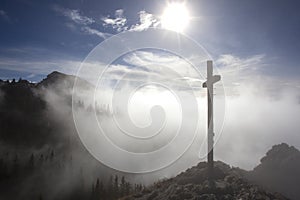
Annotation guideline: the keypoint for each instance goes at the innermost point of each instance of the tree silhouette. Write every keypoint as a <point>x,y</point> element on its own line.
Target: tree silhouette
<point>16,165</point>
<point>31,161</point>
<point>116,186</point>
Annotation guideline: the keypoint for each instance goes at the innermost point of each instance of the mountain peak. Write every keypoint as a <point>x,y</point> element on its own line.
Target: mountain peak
<point>52,78</point>
<point>280,153</point>
<point>56,73</point>
<point>279,170</point>
<point>61,80</point>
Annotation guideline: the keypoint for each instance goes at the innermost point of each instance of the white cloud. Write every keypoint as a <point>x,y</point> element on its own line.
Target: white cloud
<point>118,22</point>
<point>147,20</point>
<point>119,13</point>
<point>255,121</point>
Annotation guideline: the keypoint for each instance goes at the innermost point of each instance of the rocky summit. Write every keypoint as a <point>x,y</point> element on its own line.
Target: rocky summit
<point>193,184</point>
<point>279,171</point>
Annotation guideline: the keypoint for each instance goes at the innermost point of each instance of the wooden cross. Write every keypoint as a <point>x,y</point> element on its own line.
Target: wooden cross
<point>211,79</point>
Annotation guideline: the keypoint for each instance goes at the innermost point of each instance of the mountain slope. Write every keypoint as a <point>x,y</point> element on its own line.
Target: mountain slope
<point>25,120</point>
<point>193,184</point>
<point>41,154</point>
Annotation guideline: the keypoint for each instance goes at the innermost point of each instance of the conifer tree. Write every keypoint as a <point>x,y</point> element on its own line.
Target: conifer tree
<point>116,186</point>
<point>31,161</point>
<point>122,186</point>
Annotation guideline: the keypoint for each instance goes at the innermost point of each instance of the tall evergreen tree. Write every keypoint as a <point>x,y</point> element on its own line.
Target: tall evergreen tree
<point>122,186</point>
<point>31,161</point>
<point>16,165</point>
<point>116,186</point>
<point>127,188</point>
<point>110,188</point>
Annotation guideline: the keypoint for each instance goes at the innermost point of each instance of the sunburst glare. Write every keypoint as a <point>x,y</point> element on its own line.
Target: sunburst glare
<point>175,17</point>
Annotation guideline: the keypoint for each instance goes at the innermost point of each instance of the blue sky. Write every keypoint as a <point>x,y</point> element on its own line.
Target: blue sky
<point>38,37</point>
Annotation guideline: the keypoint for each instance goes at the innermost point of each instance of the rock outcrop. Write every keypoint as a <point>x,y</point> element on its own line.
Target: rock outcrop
<point>193,184</point>
<point>279,171</point>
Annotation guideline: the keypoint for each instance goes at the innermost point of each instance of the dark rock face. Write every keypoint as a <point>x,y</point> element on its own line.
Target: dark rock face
<point>57,79</point>
<point>65,81</point>
<point>20,111</point>
<point>279,171</point>
<point>193,184</point>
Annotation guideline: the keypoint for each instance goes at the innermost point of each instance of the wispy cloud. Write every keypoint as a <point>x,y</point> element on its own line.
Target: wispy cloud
<point>230,62</point>
<point>92,31</point>
<point>159,67</point>
<point>78,19</point>
<point>237,72</point>
<point>40,67</point>
<point>74,15</point>
<point>144,58</point>
<point>4,16</point>
<point>165,60</point>
<point>170,69</point>
<point>88,25</point>
<point>33,60</point>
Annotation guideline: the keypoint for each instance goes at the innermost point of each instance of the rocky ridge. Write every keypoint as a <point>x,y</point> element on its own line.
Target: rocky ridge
<point>192,184</point>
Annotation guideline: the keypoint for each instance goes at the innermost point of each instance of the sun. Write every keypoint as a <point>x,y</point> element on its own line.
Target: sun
<point>175,17</point>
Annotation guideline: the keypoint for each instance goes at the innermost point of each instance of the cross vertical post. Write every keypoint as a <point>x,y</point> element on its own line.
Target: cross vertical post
<point>211,79</point>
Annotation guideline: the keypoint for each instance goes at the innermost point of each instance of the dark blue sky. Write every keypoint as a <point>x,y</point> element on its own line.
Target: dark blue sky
<point>38,37</point>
